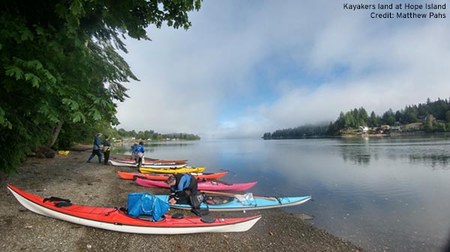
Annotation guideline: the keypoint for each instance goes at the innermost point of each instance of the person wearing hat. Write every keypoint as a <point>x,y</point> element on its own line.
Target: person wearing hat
<point>182,186</point>
<point>96,149</point>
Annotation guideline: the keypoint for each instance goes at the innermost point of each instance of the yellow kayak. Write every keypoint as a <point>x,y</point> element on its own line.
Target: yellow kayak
<point>186,169</point>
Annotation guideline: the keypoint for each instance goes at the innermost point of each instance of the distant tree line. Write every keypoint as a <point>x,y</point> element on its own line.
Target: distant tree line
<point>298,132</point>
<point>434,116</point>
<point>152,135</point>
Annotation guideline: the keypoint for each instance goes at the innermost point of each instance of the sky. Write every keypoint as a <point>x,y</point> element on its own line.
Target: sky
<point>249,67</point>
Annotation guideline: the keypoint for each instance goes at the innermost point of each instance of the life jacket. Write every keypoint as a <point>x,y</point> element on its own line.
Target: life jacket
<point>192,183</point>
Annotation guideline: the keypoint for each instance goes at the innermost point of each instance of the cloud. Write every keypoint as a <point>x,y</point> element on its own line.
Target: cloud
<point>242,70</point>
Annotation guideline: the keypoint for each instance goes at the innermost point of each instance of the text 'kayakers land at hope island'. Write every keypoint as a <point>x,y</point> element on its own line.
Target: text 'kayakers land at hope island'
<point>401,10</point>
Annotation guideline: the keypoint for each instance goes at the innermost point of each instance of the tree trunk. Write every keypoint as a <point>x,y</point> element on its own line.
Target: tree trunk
<point>55,133</point>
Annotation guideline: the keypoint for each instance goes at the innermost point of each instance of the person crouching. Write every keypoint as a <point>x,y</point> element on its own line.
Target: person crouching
<point>182,186</point>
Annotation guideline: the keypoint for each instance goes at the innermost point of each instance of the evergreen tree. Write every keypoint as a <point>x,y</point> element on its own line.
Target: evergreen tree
<point>389,117</point>
<point>373,120</point>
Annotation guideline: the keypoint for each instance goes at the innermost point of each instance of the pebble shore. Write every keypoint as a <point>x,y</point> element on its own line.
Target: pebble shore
<point>97,184</point>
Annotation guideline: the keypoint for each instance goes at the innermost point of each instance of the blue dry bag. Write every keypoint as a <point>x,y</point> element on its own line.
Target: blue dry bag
<point>146,204</point>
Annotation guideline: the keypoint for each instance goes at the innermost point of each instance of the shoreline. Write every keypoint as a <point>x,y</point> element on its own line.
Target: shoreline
<point>97,184</point>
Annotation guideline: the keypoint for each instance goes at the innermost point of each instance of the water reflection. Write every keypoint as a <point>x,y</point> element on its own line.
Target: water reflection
<point>382,194</point>
<point>431,153</point>
<point>435,161</point>
<point>356,155</point>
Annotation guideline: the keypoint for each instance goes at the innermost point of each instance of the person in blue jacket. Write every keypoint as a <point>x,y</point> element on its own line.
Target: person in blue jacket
<point>180,184</point>
<point>96,148</point>
<point>139,151</point>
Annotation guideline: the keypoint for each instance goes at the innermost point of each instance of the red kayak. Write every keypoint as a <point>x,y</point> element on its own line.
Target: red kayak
<point>204,185</point>
<point>112,218</point>
<point>164,177</point>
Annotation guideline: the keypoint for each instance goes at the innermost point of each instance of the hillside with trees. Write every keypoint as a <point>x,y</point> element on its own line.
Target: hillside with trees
<point>425,117</point>
<point>61,72</point>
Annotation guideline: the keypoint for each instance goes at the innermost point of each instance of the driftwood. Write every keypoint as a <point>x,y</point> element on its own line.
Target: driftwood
<point>43,152</point>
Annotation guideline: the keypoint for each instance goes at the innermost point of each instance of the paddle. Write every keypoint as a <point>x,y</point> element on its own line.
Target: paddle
<point>233,195</point>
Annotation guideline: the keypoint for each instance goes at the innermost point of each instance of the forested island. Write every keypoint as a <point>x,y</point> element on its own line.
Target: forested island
<point>151,135</point>
<point>426,117</point>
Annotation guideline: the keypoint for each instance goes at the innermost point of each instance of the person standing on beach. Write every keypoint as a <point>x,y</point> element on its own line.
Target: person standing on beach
<point>96,149</point>
<point>139,150</point>
<point>133,152</point>
<point>106,150</point>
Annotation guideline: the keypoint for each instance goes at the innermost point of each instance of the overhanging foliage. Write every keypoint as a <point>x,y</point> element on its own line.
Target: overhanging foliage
<point>60,66</point>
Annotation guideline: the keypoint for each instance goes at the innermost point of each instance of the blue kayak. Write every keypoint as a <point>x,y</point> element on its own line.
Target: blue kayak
<point>241,202</point>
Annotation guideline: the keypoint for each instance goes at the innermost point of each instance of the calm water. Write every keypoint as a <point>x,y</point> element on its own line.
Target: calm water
<point>382,194</point>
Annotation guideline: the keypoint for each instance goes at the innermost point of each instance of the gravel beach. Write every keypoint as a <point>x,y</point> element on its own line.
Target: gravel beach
<point>72,178</point>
